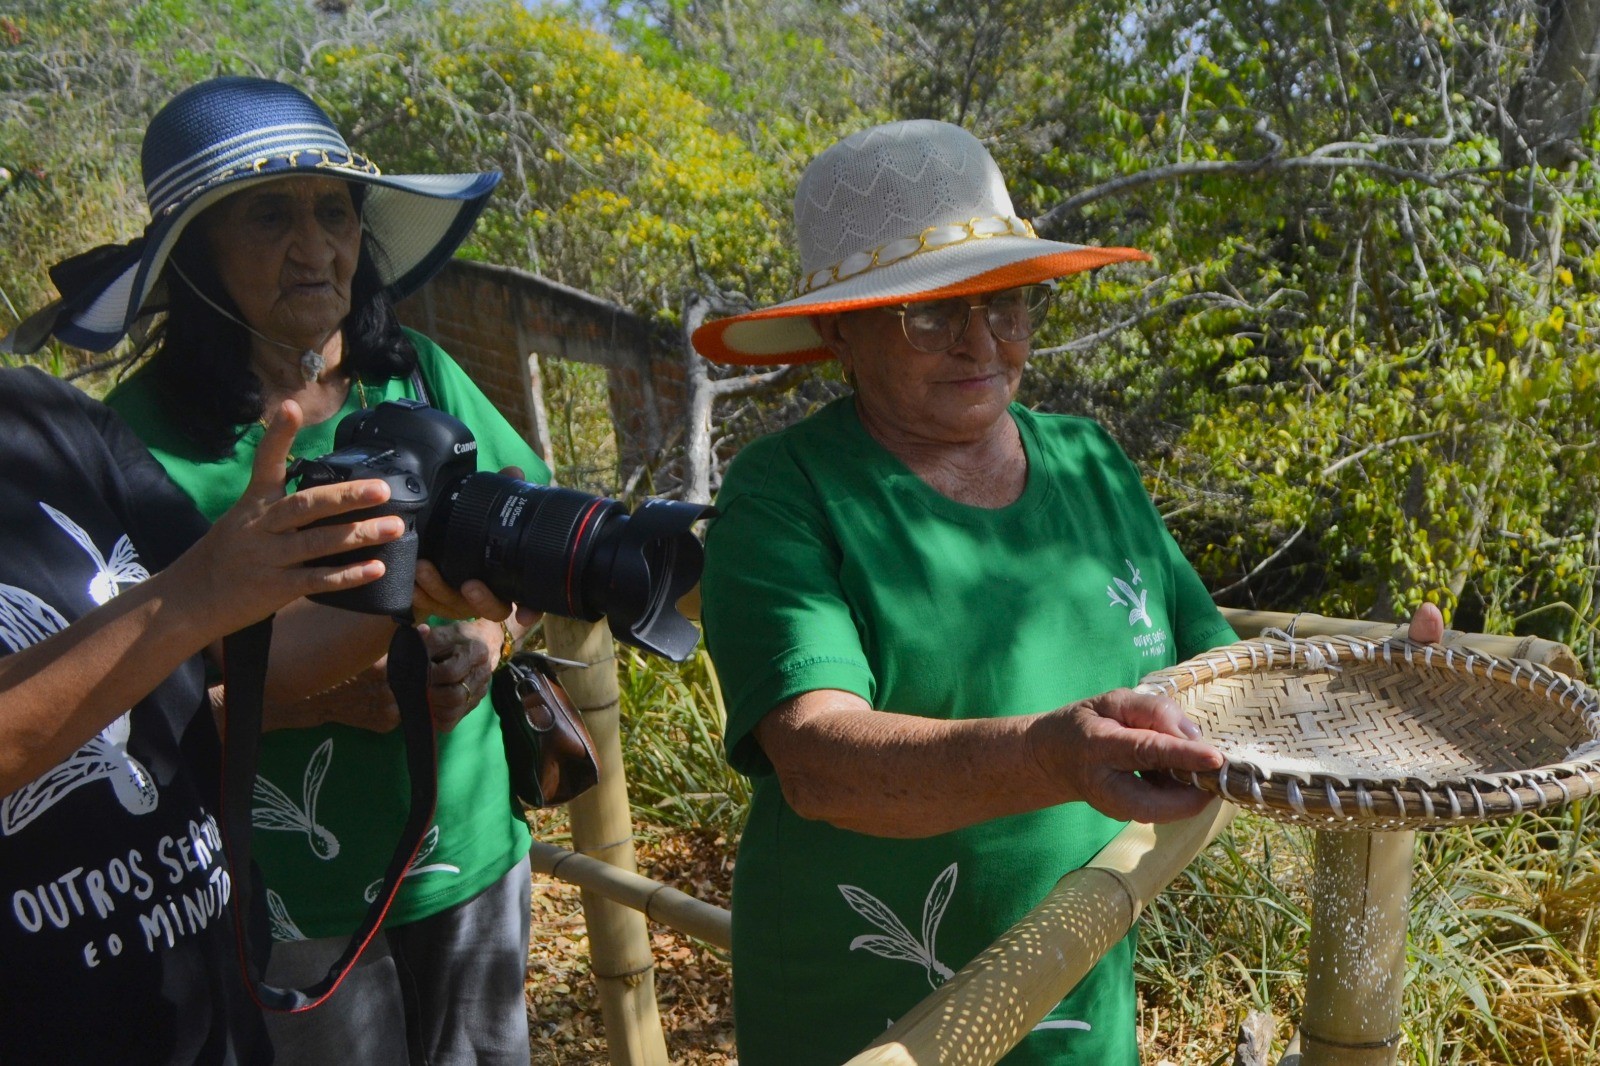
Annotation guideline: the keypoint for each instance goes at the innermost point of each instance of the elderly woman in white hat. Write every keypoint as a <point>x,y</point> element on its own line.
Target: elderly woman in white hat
<point>276,252</point>
<point>925,604</point>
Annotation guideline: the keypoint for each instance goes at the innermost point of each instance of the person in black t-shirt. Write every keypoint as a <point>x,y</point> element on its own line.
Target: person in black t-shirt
<point>116,940</point>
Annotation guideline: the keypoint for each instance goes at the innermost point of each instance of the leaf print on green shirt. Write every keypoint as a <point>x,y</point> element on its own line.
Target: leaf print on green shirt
<point>898,943</point>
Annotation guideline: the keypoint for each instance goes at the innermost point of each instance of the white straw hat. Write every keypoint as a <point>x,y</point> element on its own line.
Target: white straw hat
<point>905,211</point>
<point>214,139</point>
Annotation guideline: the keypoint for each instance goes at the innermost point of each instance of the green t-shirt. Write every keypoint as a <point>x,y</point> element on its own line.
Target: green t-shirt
<point>330,801</point>
<point>832,565</point>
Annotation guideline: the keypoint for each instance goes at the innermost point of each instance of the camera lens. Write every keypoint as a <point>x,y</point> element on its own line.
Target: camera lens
<point>569,553</point>
<point>527,542</point>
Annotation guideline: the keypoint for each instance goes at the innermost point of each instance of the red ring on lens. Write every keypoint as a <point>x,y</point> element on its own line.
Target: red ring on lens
<point>574,553</point>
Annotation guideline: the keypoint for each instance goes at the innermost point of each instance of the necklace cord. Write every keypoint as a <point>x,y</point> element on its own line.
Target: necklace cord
<point>311,360</point>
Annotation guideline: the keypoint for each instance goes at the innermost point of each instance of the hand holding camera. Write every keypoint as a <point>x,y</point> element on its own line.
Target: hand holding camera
<point>546,549</point>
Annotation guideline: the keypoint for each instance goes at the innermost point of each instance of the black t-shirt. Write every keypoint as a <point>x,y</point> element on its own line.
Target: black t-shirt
<point>116,940</point>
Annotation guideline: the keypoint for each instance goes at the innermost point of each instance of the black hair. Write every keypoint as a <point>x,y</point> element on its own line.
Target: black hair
<point>201,365</point>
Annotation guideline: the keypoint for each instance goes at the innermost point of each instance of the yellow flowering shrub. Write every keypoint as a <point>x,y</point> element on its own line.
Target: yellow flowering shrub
<point>616,180</point>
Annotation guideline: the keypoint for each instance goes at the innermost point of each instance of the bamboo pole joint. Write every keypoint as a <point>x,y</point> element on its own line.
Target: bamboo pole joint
<point>1135,903</point>
<point>1349,1045</point>
<point>631,978</point>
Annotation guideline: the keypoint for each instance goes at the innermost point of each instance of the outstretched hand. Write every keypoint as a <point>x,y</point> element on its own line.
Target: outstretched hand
<point>253,560</point>
<point>1112,749</point>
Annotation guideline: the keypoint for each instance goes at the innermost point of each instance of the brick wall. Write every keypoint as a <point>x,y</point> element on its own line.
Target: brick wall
<point>493,320</point>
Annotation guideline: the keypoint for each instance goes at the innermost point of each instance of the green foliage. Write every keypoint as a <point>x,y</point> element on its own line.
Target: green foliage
<point>617,181</point>
<point>672,743</point>
<point>581,435</point>
<point>1357,351</point>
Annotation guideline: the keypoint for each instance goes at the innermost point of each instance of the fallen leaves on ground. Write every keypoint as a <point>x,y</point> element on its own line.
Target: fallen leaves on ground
<point>692,983</point>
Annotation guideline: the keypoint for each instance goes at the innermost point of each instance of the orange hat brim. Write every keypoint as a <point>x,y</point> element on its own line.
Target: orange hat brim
<point>798,342</point>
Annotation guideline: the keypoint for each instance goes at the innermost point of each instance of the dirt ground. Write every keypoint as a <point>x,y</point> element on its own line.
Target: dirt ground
<point>693,987</point>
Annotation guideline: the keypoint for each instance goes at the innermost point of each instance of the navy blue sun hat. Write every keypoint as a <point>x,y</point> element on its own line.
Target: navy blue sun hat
<point>221,136</point>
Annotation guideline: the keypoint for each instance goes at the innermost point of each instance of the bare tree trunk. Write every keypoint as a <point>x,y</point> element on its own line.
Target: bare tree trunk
<point>697,382</point>
<point>704,391</point>
<point>1551,104</point>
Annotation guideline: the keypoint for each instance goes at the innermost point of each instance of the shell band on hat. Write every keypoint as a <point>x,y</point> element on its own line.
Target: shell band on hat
<point>901,212</point>
<point>929,240</point>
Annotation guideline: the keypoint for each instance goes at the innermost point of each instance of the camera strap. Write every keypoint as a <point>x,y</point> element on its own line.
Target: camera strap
<point>245,672</point>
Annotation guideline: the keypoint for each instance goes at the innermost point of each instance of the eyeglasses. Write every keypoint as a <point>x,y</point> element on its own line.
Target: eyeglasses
<point>937,325</point>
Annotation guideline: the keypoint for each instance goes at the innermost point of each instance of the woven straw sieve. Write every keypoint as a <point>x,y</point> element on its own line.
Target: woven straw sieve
<point>1347,733</point>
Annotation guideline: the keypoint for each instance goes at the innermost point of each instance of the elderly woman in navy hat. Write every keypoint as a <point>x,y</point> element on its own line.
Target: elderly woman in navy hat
<point>926,605</point>
<point>276,253</point>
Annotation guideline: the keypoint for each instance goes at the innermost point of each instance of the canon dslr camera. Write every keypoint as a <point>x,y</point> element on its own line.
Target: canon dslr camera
<point>549,549</point>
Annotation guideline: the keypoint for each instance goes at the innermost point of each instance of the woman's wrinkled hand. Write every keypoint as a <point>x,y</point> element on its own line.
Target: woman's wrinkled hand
<point>1114,750</point>
<point>462,658</point>
<point>254,559</point>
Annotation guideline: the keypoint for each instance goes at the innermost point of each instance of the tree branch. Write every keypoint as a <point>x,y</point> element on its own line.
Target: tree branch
<point>1084,343</point>
<point>1331,156</point>
<point>756,384</point>
<point>1262,565</point>
<point>1381,446</point>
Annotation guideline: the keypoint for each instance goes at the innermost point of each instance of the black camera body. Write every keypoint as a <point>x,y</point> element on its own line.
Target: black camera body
<point>550,549</point>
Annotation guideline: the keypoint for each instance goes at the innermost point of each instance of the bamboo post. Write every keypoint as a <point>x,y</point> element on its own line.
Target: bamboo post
<point>656,901</point>
<point>981,1013</point>
<point>1356,965</point>
<point>1361,884</point>
<point>602,827</point>
<point>1555,655</point>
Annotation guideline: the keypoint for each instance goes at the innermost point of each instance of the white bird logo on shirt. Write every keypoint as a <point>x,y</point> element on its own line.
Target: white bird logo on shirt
<point>283,927</point>
<point>896,941</point>
<point>1123,595</point>
<point>25,620</point>
<point>430,840</point>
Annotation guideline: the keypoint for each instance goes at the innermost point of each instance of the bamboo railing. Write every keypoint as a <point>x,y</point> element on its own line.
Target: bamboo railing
<point>1356,959</point>
<point>980,1014</point>
<point>1555,655</point>
<point>656,901</point>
